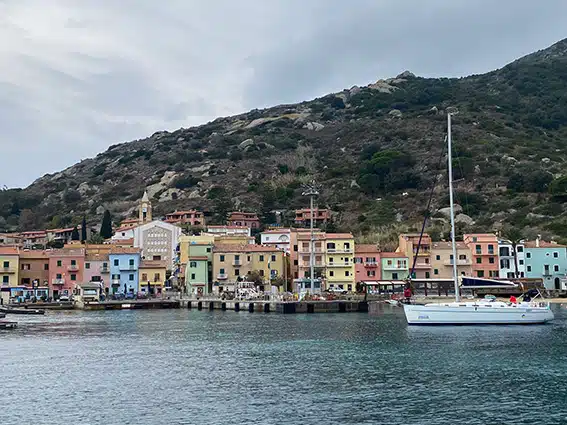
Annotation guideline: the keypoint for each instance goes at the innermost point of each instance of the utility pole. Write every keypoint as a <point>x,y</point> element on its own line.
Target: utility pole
<point>311,190</point>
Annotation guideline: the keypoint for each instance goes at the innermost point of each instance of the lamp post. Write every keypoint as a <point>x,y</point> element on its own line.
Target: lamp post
<point>311,189</point>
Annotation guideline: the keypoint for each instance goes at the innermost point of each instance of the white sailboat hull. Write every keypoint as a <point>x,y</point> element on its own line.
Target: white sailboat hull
<point>478,314</point>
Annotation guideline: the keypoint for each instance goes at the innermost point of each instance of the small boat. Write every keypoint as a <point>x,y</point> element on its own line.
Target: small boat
<point>13,310</point>
<point>393,302</point>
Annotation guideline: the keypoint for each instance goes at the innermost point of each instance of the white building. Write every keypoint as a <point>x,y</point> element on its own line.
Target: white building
<point>507,268</point>
<point>280,238</point>
<point>229,230</point>
<point>158,241</point>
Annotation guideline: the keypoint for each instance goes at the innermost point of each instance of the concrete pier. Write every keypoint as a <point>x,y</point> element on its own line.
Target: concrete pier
<point>282,307</point>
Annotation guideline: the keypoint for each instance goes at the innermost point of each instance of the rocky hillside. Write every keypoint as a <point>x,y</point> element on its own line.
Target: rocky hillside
<point>374,150</point>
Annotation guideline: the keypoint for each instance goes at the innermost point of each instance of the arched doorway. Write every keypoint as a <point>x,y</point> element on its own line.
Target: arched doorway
<point>557,283</point>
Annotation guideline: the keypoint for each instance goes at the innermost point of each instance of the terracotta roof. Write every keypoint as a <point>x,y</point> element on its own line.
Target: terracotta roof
<point>425,235</point>
<point>198,257</point>
<point>153,264</point>
<point>184,212</point>
<point>4,250</point>
<point>67,252</point>
<point>124,250</point>
<point>448,245</point>
<point>96,257</point>
<point>284,230</point>
<point>130,220</point>
<point>31,254</point>
<point>245,248</point>
<point>542,244</point>
<point>339,236</point>
<point>393,255</point>
<point>366,248</point>
<point>122,242</point>
<point>227,227</point>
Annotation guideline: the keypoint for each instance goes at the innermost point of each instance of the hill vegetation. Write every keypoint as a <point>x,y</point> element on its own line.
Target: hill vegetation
<point>374,150</point>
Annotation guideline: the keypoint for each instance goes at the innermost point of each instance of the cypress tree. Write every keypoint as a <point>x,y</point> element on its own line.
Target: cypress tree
<point>84,230</point>
<point>75,234</point>
<point>106,225</point>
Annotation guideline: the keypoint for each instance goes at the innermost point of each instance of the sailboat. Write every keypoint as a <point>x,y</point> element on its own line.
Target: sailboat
<point>476,312</point>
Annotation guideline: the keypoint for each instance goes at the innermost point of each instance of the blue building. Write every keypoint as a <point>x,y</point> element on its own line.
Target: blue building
<point>547,261</point>
<point>124,265</point>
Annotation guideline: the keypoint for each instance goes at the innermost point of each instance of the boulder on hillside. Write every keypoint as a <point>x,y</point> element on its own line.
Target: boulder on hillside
<point>406,74</point>
<point>396,113</point>
<point>446,212</point>
<point>464,219</point>
<point>246,143</point>
<point>314,126</point>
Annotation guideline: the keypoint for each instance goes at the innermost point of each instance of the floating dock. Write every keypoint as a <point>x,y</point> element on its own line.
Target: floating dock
<point>129,304</point>
<point>283,307</point>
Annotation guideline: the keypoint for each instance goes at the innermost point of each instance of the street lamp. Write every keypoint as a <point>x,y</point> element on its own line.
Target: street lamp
<point>311,189</point>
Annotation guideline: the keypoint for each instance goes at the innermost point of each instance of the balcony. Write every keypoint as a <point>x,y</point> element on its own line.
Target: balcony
<point>339,251</point>
<point>7,270</point>
<point>73,268</point>
<point>236,262</point>
<point>396,267</point>
<point>58,281</point>
<point>115,282</point>
<point>316,250</point>
<point>422,266</point>
<point>370,264</point>
<point>128,267</point>
<point>222,276</point>
<point>305,264</point>
<point>339,264</point>
<point>459,262</point>
<point>104,269</point>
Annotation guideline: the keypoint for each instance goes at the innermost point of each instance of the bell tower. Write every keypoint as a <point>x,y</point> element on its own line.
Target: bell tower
<point>145,209</point>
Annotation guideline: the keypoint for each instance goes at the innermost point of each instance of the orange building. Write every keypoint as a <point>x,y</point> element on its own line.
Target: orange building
<point>34,268</point>
<point>237,218</point>
<point>191,217</point>
<point>407,244</point>
<point>484,253</point>
<point>320,216</point>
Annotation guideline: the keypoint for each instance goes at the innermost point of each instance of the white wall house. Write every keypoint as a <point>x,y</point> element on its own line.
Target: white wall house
<point>279,238</point>
<point>507,269</point>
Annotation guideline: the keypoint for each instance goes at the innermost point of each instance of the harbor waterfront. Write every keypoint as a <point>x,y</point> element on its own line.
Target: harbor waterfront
<point>180,366</point>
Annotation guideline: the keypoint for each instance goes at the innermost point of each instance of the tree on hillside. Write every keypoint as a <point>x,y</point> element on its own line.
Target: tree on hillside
<point>514,236</point>
<point>75,234</point>
<point>84,230</point>
<point>27,220</point>
<point>106,225</point>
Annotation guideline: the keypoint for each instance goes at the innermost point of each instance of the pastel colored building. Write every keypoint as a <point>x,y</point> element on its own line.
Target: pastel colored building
<point>152,276</point>
<point>339,261</point>
<point>246,219</point>
<point>229,230</point>
<point>320,216</point>
<point>484,253</point>
<point>280,238</point>
<point>66,271</point>
<point>34,269</point>
<point>300,255</point>
<point>507,269</point>
<point>190,217</point>
<point>367,263</point>
<point>97,269</point>
<point>234,262</point>
<point>442,260</point>
<point>158,241</point>
<point>10,239</point>
<point>124,269</point>
<point>547,260</point>
<point>394,266</point>
<point>419,259</point>
<point>36,238</point>
<point>198,266</point>
<point>9,266</point>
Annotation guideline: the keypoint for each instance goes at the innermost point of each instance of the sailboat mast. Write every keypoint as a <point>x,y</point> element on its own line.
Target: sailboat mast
<point>453,243</point>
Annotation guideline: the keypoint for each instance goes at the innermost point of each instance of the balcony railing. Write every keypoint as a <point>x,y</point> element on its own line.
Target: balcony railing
<point>58,281</point>
<point>237,262</point>
<point>73,268</point>
<point>128,267</point>
<point>339,251</point>
<point>315,264</point>
<point>396,267</point>
<point>339,264</point>
<point>7,270</point>
<point>316,250</point>
<point>459,262</point>
<point>422,265</point>
<point>104,269</point>
<point>370,264</point>
<point>222,276</point>
<point>115,281</point>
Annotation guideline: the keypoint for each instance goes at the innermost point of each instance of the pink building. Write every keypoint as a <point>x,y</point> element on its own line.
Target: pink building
<point>66,270</point>
<point>97,269</point>
<point>245,219</point>
<point>367,263</point>
<point>320,216</point>
<point>484,252</point>
<point>191,217</point>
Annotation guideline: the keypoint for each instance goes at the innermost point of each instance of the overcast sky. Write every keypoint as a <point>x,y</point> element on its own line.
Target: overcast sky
<point>78,76</point>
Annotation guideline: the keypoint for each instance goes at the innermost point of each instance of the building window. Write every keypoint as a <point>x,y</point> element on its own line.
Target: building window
<point>295,262</point>
<point>261,258</point>
<point>87,266</point>
<point>437,257</point>
<point>347,273</point>
<point>59,263</point>
<point>480,273</point>
<point>261,272</point>
<point>331,273</point>
<point>157,277</point>
<point>556,268</point>
<point>5,279</point>
<point>462,256</point>
<point>130,277</point>
<point>479,260</point>
<point>73,277</point>
<point>273,258</point>
<point>58,276</point>
<point>192,264</point>
<point>528,255</point>
<point>131,262</point>
<point>521,262</point>
<point>519,249</point>
<point>555,255</point>
<point>192,276</point>
<point>427,275</point>
<point>491,260</point>
<point>221,258</point>
<point>237,272</point>
<point>221,271</point>
<point>394,276</point>
<point>73,262</point>
<point>144,277</point>
<point>529,268</point>
<point>46,266</point>
<point>116,262</point>
<point>435,271</point>
<point>208,249</point>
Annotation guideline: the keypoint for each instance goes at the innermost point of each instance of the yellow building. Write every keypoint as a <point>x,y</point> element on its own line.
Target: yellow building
<point>234,262</point>
<point>186,241</point>
<point>442,260</point>
<point>9,270</point>
<point>234,240</point>
<point>152,276</point>
<point>339,261</point>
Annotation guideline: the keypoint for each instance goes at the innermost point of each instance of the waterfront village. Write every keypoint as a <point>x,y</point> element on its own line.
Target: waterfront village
<point>148,258</point>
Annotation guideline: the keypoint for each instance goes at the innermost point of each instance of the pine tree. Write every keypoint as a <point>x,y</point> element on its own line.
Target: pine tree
<point>106,225</point>
<point>75,234</point>
<point>84,230</point>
